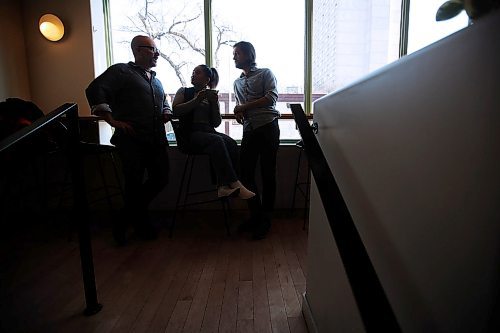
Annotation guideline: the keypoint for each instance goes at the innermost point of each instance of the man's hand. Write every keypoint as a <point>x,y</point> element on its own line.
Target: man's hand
<point>167,117</point>
<point>125,127</point>
<point>238,112</point>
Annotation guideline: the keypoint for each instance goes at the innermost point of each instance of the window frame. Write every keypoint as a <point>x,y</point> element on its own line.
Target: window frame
<point>207,14</point>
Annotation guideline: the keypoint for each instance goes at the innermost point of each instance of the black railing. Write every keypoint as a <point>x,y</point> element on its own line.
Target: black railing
<point>80,209</point>
<point>373,305</point>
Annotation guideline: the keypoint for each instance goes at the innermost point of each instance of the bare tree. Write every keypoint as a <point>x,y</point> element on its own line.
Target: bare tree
<point>175,31</point>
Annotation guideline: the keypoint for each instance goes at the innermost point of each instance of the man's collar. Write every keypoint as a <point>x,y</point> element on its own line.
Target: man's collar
<point>133,64</point>
<point>252,69</point>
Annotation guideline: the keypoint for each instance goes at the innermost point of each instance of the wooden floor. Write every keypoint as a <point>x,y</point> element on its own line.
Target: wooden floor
<point>199,281</point>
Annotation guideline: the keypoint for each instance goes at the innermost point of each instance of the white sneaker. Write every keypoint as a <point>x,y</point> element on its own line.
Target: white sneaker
<point>226,191</point>
<point>245,193</point>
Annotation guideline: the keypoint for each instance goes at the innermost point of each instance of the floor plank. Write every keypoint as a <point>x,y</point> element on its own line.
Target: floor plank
<point>262,318</point>
<point>276,303</point>
<point>200,280</point>
<point>144,320</point>
<point>245,300</point>
<point>176,322</point>
<point>197,311</point>
<point>173,292</point>
<point>292,306</point>
<point>229,312</point>
<point>245,326</point>
<point>213,310</point>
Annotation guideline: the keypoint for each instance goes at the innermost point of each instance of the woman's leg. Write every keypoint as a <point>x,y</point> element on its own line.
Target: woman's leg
<point>214,146</point>
<point>233,150</point>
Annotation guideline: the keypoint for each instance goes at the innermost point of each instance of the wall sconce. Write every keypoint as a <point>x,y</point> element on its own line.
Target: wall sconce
<point>51,27</point>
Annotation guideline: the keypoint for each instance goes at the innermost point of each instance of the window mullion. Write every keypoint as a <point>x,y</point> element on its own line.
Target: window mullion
<point>403,30</point>
<point>208,32</point>
<point>308,57</point>
<point>107,32</point>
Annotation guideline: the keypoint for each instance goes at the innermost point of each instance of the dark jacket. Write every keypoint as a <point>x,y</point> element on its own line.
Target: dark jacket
<point>132,98</point>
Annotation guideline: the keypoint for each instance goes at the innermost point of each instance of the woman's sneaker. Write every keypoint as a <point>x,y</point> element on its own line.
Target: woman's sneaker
<point>245,193</point>
<point>226,191</point>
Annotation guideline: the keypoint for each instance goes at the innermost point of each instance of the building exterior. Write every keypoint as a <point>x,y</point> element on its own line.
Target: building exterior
<point>351,39</point>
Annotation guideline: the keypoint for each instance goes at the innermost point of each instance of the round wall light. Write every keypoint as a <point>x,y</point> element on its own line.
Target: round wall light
<point>51,27</point>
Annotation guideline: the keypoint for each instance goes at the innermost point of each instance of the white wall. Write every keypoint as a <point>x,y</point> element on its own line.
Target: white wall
<point>14,80</point>
<point>33,68</point>
<point>415,148</point>
<point>60,71</point>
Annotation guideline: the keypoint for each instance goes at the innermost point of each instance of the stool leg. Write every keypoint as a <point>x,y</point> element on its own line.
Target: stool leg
<point>181,185</point>
<point>307,197</point>
<point>296,182</point>
<point>104,183</point>
<point>185,185</point>
<point>188,185</point>
<point>225,209</point>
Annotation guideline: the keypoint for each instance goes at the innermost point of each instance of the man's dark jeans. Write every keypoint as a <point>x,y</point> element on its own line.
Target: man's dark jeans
<point>263,143</point>
<point>138,158</point>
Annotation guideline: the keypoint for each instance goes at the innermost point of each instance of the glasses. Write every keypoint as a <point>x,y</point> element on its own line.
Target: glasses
<point>152,48</point>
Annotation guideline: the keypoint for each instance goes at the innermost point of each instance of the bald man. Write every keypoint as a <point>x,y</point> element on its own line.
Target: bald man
<point>131,99</point>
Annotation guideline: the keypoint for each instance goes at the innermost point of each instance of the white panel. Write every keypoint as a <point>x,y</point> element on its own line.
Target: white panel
<point>415,148</point>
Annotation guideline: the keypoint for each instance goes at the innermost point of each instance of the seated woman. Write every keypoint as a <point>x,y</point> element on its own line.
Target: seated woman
<point>197,109</point>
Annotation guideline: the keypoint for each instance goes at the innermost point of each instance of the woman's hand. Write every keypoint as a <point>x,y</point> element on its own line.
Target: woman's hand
<point>200,95</point>
<point>212,95</point>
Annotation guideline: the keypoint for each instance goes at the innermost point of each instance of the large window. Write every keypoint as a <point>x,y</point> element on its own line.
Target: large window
<point>423,27</point>
<point>352,39</point>
<point>277,33</point>
<point>348,39</point>
<point>178,30</point>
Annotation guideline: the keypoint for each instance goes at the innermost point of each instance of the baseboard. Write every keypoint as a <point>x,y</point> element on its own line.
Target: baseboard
<point>308,316</point>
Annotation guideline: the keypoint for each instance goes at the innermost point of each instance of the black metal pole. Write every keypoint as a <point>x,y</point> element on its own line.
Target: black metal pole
<point>81,213</point>
<point>374,307</point>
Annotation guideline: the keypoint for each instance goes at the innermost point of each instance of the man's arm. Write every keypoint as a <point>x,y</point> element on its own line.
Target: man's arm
<point>259,103</point>
<point>104,111</point>
<point>269,99</point>
<point>100,92</point>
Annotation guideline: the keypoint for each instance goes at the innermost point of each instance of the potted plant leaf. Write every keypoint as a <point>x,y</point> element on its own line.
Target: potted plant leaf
<point>475,9</point>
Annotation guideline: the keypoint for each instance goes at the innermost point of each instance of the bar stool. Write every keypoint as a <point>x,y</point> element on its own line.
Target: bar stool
<point>185,191</point>
<point>99,151</point>
<point>302,186</point>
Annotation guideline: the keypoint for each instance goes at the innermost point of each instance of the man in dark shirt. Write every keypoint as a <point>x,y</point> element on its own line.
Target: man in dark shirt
<point>131,99</point>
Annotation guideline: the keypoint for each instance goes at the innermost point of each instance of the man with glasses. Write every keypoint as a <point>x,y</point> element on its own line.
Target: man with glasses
<point>256,96</point>
<point>131,99</point>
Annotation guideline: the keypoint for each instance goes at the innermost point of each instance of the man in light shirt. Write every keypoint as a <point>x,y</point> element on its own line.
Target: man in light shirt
<point>256,96</point>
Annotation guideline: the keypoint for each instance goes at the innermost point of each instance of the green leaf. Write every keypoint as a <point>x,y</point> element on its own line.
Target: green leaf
<point>449,9</point>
